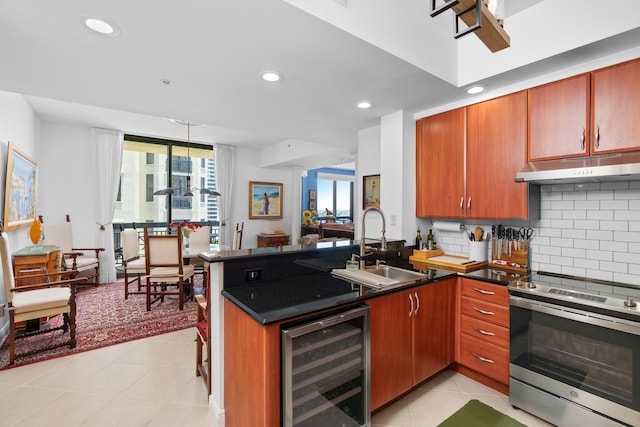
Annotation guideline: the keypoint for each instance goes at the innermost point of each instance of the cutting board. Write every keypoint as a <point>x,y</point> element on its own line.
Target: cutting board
<point>454,263</point>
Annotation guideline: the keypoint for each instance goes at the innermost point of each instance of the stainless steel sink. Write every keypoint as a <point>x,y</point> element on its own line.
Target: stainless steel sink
<point>381,277</point>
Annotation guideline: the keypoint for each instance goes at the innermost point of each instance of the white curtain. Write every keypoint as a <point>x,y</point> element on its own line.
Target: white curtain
<point>106,159</point>
<point>224,169</point>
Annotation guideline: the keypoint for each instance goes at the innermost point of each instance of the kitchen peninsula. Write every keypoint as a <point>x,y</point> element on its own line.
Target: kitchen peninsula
<point>263,289</point>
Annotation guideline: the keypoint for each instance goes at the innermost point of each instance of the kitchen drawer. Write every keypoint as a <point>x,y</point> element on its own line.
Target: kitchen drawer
<point>485,331</point>
<point>486,311</point>
<point>495,294</point>
<point>487,359</point>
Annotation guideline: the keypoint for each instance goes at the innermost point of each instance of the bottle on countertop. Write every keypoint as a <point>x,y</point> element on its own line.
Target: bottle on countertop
<point>431,242</point>
<point>418,239</point>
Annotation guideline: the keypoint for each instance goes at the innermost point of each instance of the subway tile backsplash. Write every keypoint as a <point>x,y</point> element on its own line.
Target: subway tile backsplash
<point>586,230</point>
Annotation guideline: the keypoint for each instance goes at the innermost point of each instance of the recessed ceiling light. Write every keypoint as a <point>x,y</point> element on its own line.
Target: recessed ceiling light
<point>270,76</point>
<point>101,26</point>
<point>364,105</point>
<point>472,90</point>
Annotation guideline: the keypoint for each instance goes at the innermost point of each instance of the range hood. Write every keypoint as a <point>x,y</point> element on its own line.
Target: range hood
<point>598,168</point>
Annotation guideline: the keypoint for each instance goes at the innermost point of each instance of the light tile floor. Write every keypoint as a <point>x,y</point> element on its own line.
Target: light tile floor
<point>148,382</point>
<point>152,382</point>
<point>437,399</point>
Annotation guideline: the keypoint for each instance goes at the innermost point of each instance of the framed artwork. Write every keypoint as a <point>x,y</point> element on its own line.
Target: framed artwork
<point>265,200</point>
<point>312,205</point>
<point>370,191</point>
<point>20,190</point>
<point>312,194</point>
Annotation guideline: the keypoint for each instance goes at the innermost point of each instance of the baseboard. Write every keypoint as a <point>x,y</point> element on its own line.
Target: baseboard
<point>217,411</point>
<point>476,376</point>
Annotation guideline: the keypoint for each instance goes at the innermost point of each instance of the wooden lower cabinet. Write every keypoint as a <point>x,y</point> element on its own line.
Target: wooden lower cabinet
<point>412,338</point>
<point>251,370</point>
<point>482,351</point>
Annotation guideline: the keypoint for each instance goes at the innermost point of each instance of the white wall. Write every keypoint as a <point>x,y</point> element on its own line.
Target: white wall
<point>247,168</point>
<point>18,126</point>
<point>68,182</point>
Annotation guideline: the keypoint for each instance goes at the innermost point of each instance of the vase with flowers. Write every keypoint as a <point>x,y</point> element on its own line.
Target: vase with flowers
<point>186,227</point>
<point>309,217</point>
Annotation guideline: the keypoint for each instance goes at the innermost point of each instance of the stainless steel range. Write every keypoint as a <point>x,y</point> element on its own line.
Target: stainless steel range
<point>574,354</point>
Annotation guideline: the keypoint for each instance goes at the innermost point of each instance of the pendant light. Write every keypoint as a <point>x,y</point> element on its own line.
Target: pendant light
<point>189,191</point>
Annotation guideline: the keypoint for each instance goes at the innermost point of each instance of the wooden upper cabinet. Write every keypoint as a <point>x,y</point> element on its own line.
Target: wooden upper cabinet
<point>559,119</point>
<point>615,108</point>
<point>440,169</point>
<point>496,151</point>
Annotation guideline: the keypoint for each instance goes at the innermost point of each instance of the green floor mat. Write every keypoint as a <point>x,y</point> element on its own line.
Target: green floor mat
<point>477,414</point>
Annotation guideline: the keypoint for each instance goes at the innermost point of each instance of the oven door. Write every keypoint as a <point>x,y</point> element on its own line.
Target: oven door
<point>591,359</point>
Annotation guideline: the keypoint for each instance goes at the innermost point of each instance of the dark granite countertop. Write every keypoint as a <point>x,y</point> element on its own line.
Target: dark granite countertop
<point>296,280</point>
<point>286,299</point>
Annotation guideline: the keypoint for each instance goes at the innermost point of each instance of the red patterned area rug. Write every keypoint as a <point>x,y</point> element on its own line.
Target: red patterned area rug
<point>105,318</point>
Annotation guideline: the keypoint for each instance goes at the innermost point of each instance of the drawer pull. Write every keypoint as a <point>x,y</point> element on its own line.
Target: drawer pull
<point>483,359</point>
<point>488,313</point>
<point>482,291</point>
<point>483,332</point>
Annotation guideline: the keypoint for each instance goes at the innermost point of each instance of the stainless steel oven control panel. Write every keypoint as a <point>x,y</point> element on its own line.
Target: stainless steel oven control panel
<point>529,289</point>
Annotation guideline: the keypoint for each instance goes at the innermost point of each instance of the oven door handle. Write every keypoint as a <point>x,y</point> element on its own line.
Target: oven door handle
<point>582,316</point>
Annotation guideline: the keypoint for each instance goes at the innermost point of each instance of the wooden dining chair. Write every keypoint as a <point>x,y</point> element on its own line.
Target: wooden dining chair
<point>135,266</point>
<point>50,297</point>
<point>203,342</point>
<point>200,241</point>
<point>237,236</point>
<point>164,262</point>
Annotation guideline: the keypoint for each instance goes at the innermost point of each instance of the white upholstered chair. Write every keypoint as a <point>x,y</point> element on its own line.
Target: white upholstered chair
<point>164,262</point>
<point>85,260</point>
<point>200,241</point>
<point>35,301</point>
<point>135,266</point>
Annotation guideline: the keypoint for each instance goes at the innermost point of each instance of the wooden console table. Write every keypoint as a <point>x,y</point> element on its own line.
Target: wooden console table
<point>267,240</point>
<point>29,258</point>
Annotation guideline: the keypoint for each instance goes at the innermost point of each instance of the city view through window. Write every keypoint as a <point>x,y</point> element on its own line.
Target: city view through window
<point>145,168</point>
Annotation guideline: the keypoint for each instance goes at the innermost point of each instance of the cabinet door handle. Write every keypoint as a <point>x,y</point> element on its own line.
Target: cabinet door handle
<point>411,300</point>
<point>482,291</point>
<point>482,359</point>
<point>596,136</point>
<point>469,205</point>
<point>461,203</point>
<point>417,303</point>
<point>583,137</point>
<point>483,332</point>
<point>488,313</point>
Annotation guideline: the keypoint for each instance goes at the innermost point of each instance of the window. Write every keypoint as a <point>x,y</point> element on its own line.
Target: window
<point>149,164</point>
<point>336,194</point>
<point>150,189</point>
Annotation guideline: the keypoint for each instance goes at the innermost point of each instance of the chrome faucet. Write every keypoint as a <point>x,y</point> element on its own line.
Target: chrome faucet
<point>384,230</point>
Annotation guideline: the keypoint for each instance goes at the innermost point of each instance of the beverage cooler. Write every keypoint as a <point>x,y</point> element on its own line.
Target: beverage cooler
<point>325,371</point>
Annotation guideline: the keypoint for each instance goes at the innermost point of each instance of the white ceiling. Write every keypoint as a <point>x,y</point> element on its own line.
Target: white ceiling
<point>212,52</point>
